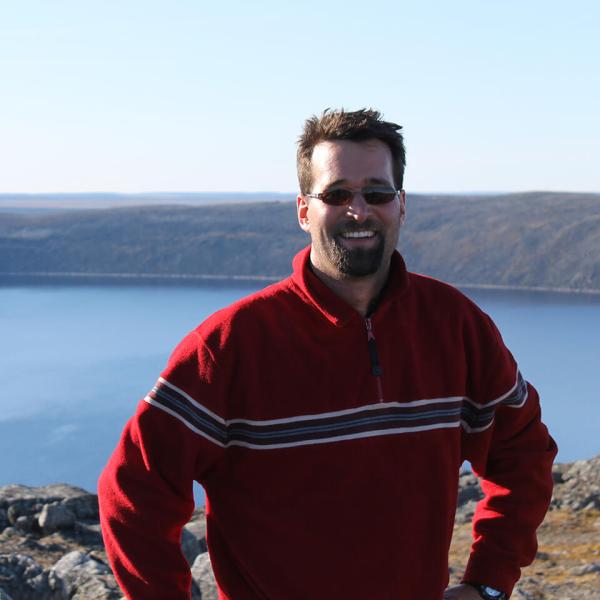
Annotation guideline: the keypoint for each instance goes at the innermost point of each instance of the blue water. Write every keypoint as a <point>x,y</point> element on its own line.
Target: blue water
<point>76,360</point>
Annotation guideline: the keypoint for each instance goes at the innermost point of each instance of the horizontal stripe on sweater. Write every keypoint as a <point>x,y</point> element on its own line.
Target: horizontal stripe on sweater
<point>384,418</point>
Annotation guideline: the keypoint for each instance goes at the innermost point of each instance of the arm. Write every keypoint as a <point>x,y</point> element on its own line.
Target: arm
<point>145,491</point>
<point>513,457</point>
<point>516,480</point>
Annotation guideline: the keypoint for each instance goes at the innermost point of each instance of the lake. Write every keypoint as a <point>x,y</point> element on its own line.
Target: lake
<point>76,360</point>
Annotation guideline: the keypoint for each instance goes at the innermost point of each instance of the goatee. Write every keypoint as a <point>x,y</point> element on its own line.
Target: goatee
<point>356,262</point>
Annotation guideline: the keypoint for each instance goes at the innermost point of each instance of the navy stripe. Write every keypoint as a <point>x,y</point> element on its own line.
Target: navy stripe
<point>318,435</point>
<point>384,411</point>
<point>393,420</point>
<point>450,412</point>
<point>192,414</point>
<point>478,417</point>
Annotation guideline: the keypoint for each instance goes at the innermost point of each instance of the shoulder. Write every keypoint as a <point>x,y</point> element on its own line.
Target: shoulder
<point>451,309</point>
<point>459,321</point>
<point>212,342</point>
<point>432,291</point>
<point>249,313</point>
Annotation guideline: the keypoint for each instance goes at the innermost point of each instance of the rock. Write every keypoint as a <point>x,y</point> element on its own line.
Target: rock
<point>579,485</point>
<point>79,576</point>
<point>585,569</point>
<point>193,537</point>
<point>25,523</point>
<point>21,500</point>
<point>197,526</point>
<point>9,494</point>
<point>9,531</point>
<point>465,513</point>
<point>55,516</point>
<point>203,576</point>
<point>521,594</point>
<point>469,493</point>
<point>4,523</point>
<point>468,489</point>
<point>190,546</point>
<point>558,471</point>
<point>13,513</point>
<point>70,563</point>
<point>84,507</point>
<point>88,534</point>
<point>22,578</point>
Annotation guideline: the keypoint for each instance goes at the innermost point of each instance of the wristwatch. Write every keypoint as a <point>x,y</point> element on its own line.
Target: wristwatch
<point>487,592</point>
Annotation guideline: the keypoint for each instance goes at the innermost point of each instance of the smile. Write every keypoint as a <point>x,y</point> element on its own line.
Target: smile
<point>358,234</point>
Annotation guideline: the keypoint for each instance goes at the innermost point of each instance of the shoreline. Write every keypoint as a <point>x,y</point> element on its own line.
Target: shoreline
<point>75,277</point>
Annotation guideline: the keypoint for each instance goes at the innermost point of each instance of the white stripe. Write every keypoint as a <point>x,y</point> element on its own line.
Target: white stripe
<point>310,417</point>
<point>190,399</point>
<point>470,429</point>
<point>349,411</point>
<point>317,441</point>
<point>525,396</point>
<point>353,436</point>
<point>503,397</point>
<point>182,419</point>
<point>346,411</point>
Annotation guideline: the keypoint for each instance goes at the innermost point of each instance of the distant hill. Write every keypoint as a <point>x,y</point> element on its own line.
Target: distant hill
<point>96,200</point>
<point>546,240</point>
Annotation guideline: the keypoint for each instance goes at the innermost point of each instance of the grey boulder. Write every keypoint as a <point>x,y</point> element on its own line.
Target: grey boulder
<point>79,576</point>
<point>55,516</point>
<point>22,578</point>
<point>204,579</point>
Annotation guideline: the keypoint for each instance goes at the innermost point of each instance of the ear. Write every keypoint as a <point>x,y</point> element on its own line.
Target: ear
<point>302,209</point>
<point>402,207</point>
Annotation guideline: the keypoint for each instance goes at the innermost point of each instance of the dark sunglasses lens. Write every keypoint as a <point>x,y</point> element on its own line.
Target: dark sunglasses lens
<point>379,197</point>
<point>337,197</point>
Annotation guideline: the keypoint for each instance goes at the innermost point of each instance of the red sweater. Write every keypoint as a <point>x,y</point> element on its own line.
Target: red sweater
<point>330,453</point>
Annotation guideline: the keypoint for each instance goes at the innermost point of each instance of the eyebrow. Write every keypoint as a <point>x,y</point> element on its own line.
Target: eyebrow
<point>372,180</point>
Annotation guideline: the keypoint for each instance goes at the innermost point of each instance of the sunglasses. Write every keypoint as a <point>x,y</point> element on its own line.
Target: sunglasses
<point>343,197</point>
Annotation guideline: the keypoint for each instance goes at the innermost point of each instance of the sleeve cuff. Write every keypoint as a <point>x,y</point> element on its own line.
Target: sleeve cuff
<point>490,571</point>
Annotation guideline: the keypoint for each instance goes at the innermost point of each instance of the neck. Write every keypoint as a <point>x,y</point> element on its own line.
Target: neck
<point>358,292</point>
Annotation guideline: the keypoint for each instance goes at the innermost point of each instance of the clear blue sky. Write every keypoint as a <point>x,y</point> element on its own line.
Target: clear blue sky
<point>143,95</point>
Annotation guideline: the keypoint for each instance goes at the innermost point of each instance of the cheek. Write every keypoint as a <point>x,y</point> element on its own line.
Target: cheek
<point>391,216</point>
<point>323,218</point>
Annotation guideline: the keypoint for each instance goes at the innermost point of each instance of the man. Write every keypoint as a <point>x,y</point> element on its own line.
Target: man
<point>328,415</point>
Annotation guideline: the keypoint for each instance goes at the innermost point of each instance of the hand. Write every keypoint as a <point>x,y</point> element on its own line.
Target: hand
<point>461,592</point>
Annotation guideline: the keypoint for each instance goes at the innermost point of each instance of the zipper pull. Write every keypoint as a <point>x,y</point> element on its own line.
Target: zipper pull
<point>375,366</point>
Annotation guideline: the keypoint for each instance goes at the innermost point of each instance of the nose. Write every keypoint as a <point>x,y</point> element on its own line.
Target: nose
<point>358,209</point>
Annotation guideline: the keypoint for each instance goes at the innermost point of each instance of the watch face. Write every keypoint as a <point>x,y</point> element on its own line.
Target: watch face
<point>491,592</point>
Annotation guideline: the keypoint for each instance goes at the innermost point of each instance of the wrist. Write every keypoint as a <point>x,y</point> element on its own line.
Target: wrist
<point>487,592</point>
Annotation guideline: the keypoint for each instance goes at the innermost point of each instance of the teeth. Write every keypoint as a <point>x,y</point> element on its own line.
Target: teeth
<point>358,234</point>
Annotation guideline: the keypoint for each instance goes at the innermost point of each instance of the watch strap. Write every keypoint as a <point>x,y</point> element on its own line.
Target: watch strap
<point>487,592</point>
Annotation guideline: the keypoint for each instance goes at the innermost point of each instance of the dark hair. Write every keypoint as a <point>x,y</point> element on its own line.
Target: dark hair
<point>357,126</point>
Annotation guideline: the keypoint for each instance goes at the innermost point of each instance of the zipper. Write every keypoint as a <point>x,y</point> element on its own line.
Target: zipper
<point>376,369</point>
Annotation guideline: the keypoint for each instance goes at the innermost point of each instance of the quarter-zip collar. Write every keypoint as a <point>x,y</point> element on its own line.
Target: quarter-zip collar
<point>331,306</point>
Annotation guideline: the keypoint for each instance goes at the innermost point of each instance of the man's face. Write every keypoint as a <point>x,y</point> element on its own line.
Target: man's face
<point>356,240</point>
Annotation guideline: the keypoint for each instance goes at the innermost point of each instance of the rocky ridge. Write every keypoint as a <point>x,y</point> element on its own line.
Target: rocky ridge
<point>525,240</point>
<point>51,546</point>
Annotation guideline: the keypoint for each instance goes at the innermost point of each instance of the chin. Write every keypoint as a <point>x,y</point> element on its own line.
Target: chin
<point>359,262</point>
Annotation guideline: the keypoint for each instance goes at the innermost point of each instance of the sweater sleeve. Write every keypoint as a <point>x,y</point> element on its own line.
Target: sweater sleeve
<point>510,449</point>
<point>145,491</point>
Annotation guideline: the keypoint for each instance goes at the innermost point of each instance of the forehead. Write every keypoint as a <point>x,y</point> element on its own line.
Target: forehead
<point>352,163</point>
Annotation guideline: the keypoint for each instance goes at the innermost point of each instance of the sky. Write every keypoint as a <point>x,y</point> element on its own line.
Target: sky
<point>187,95</point>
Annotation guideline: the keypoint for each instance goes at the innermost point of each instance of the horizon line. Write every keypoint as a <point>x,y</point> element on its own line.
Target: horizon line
<point>278,193</point>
